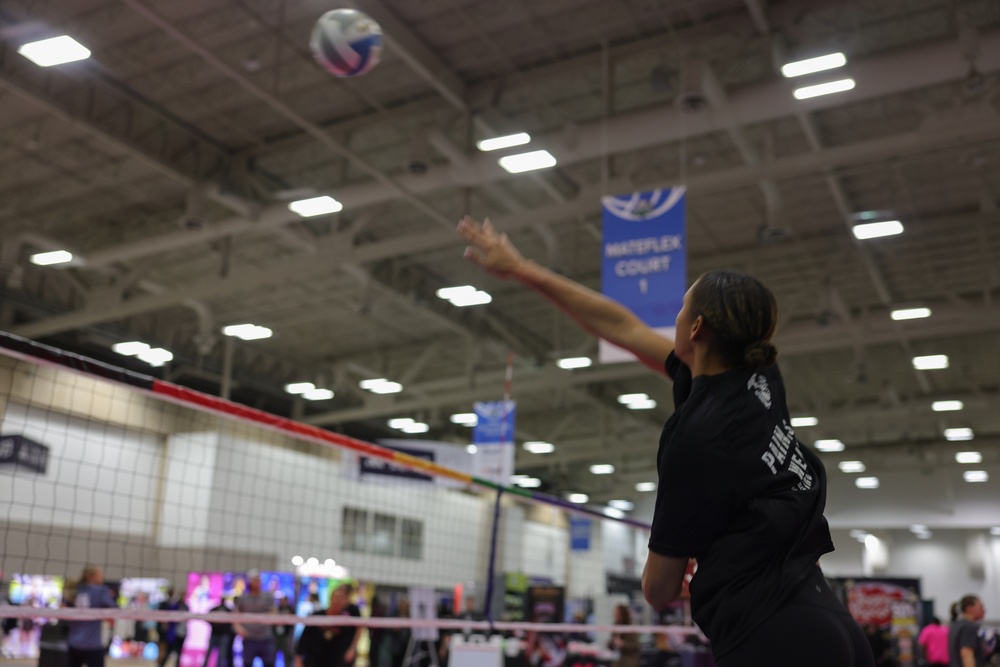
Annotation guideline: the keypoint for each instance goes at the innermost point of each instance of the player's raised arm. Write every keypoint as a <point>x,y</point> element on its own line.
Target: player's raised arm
<point>595,313</point>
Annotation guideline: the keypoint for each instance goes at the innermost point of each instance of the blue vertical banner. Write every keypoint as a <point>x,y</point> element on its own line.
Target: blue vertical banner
<point>579,533</point>
<point>645,259</point>
<point>493,437</point>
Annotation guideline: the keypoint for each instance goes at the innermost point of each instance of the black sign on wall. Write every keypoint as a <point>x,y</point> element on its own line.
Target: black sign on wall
<point>373,466</point>
<point>17,451</point>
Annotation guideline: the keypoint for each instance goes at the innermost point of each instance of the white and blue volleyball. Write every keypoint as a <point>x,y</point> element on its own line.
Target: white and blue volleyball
<point>346,42</point>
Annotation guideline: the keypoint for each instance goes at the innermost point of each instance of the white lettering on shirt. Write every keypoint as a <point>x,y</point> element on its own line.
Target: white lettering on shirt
<point>782,441</point>
<point>758,383</point>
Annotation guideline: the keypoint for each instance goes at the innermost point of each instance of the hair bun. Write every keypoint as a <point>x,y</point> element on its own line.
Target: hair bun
<point>760,354</point>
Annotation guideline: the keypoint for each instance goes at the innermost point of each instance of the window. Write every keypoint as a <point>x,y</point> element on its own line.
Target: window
<point>382,534</point>
<point>412,544</point>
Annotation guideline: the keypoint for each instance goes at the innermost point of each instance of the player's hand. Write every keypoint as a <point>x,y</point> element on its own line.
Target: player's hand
<point>349,655</point>
<point>299,662</point>
<point>490,249</point>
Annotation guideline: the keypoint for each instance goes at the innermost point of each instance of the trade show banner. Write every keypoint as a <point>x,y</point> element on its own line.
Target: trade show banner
<point>380,471</point>
<point>645,259</point>
<point>579,533</point>
<point>493,437</point>
<point>205,591</point>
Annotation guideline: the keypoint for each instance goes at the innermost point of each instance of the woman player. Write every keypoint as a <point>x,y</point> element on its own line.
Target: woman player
<point>737,491</point>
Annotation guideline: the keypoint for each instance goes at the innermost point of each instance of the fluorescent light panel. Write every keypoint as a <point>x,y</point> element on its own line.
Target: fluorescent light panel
<point>381,386</point>
<point>539,447</point>
<point>829,445</point>
<point>130,349</point>
<point>299,387</point>
<point>314,206</point>
<point>975,476</point>
<point>602,469</point>
<point>648,404</point>
<point>156,356</point>
<point>578,498</point>
<point>51,257</point>
<point>54,51</point>
<point>464,295</point>
<point>247,331</point>
<point>530,483</point>
<point>574,362</point>
<point>874,230</point>
<point>645,487</point>
<point>851,466</point>
<point>506,141</point>
<point>812,65</point>
<point>958,434</point>
<point>464,419</point>
<point>969,457</point>
<point>317,394</point>
<point>516,164</point>
<point>416,427</point>
<point>400,422</point>
<point>866,482</point>
<point>910,313</point>
<point>823,89</point>
<point>930,362</point>
<point>947,406</point>
<point>800,422</point>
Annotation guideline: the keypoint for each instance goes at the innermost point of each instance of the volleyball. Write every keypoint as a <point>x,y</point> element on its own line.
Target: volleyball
<point>346,42</point>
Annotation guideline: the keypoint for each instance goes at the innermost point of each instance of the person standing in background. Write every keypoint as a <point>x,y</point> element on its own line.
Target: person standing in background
<point>258,640</point>
<point>964,647</point>
<point>221,638</point>
<point>85,644</point>
<point>626,643</point>
<point>331,645</point>
<point>172,635</point>
<point>933,641</point>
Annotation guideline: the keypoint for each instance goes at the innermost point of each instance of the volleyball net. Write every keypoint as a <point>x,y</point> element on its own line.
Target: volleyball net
<point>166,488</point>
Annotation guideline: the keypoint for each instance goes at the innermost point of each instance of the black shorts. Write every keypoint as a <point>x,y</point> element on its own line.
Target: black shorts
<point>812,628</point>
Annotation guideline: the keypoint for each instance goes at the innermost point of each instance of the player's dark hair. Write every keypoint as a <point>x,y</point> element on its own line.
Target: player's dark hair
<point>741,312</point>
<point>967,601</point>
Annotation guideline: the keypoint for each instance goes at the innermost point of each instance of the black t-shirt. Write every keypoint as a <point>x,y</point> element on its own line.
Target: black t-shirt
<point>325,645</point>
<point>739,493</point>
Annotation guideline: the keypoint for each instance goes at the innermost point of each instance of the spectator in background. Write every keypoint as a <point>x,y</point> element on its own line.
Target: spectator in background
<point>172,635</point>
<point>258,641</point>
<point>221,639</point>
<point>400,637</point>
<point>331,645</point>
<point>86,646</point>
<point>284,635</point>
<point>933,641</point>
<point>964,646</point>
<point>626,643</point>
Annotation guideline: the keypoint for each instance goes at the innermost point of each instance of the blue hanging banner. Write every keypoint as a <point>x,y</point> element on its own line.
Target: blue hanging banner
<point>579,533</point>
<point>645,259</point>
<point>493,437</point>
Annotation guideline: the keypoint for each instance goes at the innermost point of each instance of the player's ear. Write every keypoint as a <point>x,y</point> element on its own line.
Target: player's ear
<point>698,328</point>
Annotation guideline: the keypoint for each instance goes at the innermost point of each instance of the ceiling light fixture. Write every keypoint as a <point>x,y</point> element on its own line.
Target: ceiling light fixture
<point>539,447</point>
<point>381,386</point>
<point>516,164</point>
<point>464,295</point>
<point>624,505</point>
<point>51,257</point>
<point>299,387</point>
<point>866,482</point>
<point>947,406</point>
<point>574,362</point>
<point>578,498</point>
<point>799,422</point>
<point>645,487</point>
<point>530,483</point>
<point>910,313</point>
<point>464,419</point>
<point>247,331</point>
<point>975,476</point>
<point>831,445</point>
<point>54,51</point>
<point>823,89</point>
<point>472,449</point>
<point>156,356</point>
<point>308,208</point>
<point>958,434</point>
<point>613,512</point>
<point>930,362</point>
<point>851,466</point>
<point>317,394</point>
<point>874,230</point>
<point>602,469</point>
<point>813,65</point>
<point>507,141</point>
<point>969,457</point>
<point>130,349</point>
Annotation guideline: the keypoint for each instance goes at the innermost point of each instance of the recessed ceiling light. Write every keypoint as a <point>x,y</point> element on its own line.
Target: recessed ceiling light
<point>522,162</point>
<point>247,331</point>
<point>831,445</point>
<point>156,356</point>
<point>51,257</point>
<point>299,387</point>
<point>297,560</point>
<point>874,230</point>
<point>976,476</point>
<point>506,141</point>
<point>851,466</point>
<point>866,482</point>
<point>812,65</point>
<point>930,362</point>
<point>464,419</point>
<point>969,457</point>
<point>910,313</point>
<point>317,394</point>
<point>416,427</point>
<point>400,422</point>
<point>574,362</point>
<point>823,89</point>
<point>602,469</point>
<point>313,206</point>
<point>381,386</point>
<point>946,406</point>
<point>464,295</point>
<point>578,498</point>
<point>799,422</point>
<point>624,505</point>
<point>644,487</point>
<point>958,434</point>
<point>54,51</point>
<point>130,349</point>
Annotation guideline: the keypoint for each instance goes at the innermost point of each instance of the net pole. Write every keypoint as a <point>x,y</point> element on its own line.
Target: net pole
<point>490,570</point>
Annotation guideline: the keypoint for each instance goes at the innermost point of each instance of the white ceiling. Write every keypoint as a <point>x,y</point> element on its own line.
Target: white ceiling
<point>166,160</point>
